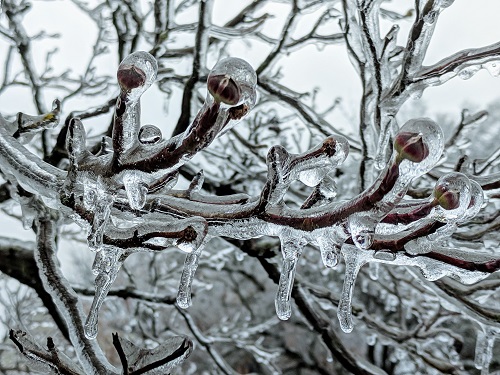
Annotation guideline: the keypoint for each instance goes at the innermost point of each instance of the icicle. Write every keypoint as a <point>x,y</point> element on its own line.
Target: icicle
<point>291,248</point>
<point>354,260</point>
<point>187,277</point>
<point>373,270</point>
<point>107,263</point>
<point>484,349</point>
<point>382,156</point>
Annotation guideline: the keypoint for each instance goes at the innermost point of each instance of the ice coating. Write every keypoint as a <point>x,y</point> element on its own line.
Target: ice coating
<point>464,199</point>
<point>310,167</point>
<point>97,200</point>
<point>176,349</point>
<point>291,248</point>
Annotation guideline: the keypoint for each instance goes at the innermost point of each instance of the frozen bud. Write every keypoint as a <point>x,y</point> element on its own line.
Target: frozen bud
<point>447,197</point>
<point>136,73</point>
<point>411,146</point>
<point>224,89</point>
<point>130,77</point>
<point>233,81</point>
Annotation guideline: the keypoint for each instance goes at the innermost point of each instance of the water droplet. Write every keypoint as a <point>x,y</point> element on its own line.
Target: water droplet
<point>149,134</point>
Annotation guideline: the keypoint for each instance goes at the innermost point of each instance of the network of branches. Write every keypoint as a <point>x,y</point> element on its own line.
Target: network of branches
<point>251,229</point>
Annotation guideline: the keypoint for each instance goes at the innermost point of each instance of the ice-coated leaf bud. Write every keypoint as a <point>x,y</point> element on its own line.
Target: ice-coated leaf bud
<point>447,197</point>
<point>130,77</point>
<point>411,146</point>
<point>224,89</point>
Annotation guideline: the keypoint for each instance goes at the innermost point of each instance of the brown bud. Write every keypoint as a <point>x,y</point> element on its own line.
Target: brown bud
<point>130,77</point>
<point>410,146</point>
<point>447,198</point>
<point>224,89</point>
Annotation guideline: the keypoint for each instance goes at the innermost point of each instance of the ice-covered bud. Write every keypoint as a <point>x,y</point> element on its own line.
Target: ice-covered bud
<point>410,146</point>
<point>233,81</point>
<point>453,196</point>
<point>224,89</point>
<point>447,198</point>
<point>136,73</point>
<point>421,143</point>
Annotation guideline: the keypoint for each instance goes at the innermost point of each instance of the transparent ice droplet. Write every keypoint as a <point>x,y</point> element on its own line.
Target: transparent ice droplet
<point>330,257</point>
<point>468,72</point>
<point>328,186</point>
<point>136,189</point>
<point>493,67</point>
<point>354,260</point>
<point>149,134</point>
<point>363,239</point>
<point>371,339</point>
<point>432,137</point>
<point>138,66</point>
<point>420,245</point>
<point>291,248</point>
<point>328,242</point>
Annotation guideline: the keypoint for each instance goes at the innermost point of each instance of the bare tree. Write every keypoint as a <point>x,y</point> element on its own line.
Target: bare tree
<point>414,204</point>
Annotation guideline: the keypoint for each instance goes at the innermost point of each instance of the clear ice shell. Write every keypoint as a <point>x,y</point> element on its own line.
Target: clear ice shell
<point>244,76</point>
<point>146,63</point>
<point>432,136</point>
<point>476,201</point>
